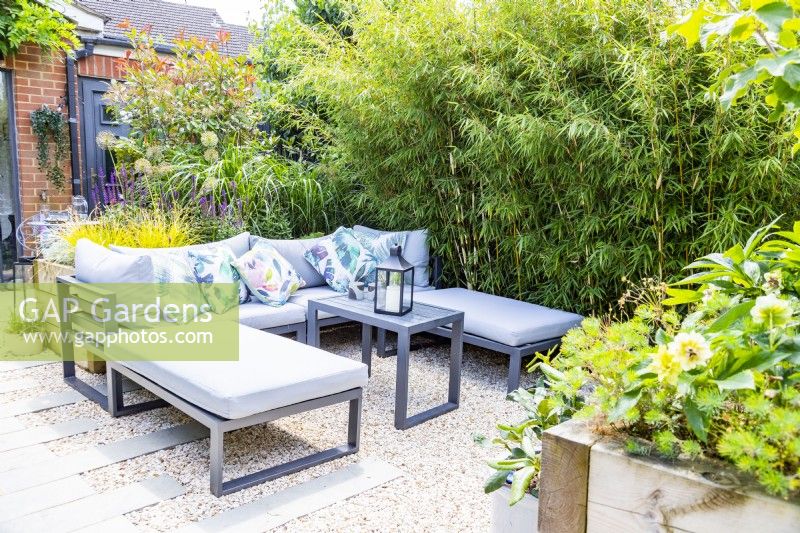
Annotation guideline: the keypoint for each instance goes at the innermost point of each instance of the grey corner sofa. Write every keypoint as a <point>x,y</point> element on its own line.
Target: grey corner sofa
<point>517,329</point>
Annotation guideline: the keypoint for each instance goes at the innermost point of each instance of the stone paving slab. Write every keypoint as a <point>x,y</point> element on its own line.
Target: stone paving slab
<point>8,366</point>
<point>40,403</point>
<point>42,434</point>
<point>98,457</point>
<point>306,498</point>
<point>24,457</point>
<point>17,385</point>
<point>96,508</point>
<point>118,524</point>
<point>43,497</point>
<point>7,425</point>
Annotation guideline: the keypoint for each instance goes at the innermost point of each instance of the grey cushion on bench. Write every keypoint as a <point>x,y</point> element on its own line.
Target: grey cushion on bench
<point>503,320</point>
<point>98,264</point>
<point>272,372</point>
<point>261,316</point>
<point>302,297</point>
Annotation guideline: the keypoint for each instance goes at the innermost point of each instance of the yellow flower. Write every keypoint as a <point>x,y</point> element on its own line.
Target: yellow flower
<point>665,366</point>
<point>771,310</point>
<point>690,350</point>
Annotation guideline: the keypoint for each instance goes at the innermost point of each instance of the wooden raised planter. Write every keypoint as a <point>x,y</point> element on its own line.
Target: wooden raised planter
<point>46,272</point>
<point>590,484</point>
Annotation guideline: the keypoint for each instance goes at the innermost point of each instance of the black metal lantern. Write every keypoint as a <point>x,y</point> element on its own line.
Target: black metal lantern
<point>394,285</point>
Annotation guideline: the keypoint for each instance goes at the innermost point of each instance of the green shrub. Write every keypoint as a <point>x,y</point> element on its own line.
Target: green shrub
<point>720,381</point>
<point>551,148</point>
<point>195,144</point>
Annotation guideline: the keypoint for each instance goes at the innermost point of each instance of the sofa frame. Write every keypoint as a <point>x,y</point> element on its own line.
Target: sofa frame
<point>113,402</point>
<point>218,426</point>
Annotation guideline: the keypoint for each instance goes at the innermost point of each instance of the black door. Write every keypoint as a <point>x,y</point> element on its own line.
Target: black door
<point>96,118</point>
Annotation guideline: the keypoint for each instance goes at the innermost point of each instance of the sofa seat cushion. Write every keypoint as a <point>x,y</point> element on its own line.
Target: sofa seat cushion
<point>502,320</point>
<point>302,297</point>
<point>260,316</point>
<point>272,372</point>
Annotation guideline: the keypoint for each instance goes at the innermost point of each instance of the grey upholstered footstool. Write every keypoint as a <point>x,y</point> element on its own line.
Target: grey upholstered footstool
<point>509,326</point>
<point>274,377</point>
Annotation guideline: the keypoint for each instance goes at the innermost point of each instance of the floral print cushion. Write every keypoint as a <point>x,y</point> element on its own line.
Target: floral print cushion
<point>172,267</point>
<point>346,256</point>
<point>212,266</point>
<point>269,276</point>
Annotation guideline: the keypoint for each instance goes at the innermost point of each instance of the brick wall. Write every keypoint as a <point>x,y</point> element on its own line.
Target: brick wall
<point>38,79</point>
<point>99,67</point>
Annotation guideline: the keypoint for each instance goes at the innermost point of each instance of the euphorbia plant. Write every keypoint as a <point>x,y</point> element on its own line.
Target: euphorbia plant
<point>721,379</point>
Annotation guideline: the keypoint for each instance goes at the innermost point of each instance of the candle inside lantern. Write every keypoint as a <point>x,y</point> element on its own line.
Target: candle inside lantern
<point>393,298</point>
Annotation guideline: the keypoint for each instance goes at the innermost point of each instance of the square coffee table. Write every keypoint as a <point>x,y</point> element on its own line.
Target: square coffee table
<point>421,318</point>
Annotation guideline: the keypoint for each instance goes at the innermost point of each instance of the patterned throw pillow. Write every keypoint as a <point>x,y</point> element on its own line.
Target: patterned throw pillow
<point>213,265</point>
<point>172,267</point>
<point>345,256</point>
<point>270,278</point>
<point>380,247</point>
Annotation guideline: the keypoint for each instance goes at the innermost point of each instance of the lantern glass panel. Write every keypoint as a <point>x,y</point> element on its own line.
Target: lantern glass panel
<point>394,285</point>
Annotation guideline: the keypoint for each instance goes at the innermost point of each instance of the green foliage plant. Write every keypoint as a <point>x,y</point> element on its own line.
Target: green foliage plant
<point>17,326</point>
<point>550,149</point>
<point>50,127</point>
<point>720,379</point>
<point>195,102</point>
<point>29,21</point>
<point>772,26</point>
<point>122,225</point>
<point>195,142</point>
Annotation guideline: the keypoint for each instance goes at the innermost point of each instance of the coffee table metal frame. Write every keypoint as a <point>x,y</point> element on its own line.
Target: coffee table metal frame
<point>422,318</point>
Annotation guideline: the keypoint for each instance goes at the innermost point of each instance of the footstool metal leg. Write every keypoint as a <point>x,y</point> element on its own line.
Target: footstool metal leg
<point>312,332</point>
<point>401,389</point>
<point>366,347</point>
<point>456,355</point>
<point>216,455</point>
<point>514,369</point>
<point>114,392</point>
<point>354,425</point>
<point>301,333</point>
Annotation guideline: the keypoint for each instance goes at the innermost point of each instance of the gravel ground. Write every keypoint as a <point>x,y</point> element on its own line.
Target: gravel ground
<point>441,489</point>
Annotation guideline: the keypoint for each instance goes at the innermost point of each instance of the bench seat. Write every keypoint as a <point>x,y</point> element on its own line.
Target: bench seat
<point>274,377</point>
<point>272,372</point>
<point>508,326</point>
<point>503,320</point>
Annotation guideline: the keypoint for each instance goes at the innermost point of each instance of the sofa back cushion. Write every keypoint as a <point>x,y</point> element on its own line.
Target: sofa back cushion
<point>293,250</point>
<point>270,278</point>
<point>347,256</point>
<point>97,264</point>
<point>239,245</point>
<point>415,251</point>
<point>220,282</point>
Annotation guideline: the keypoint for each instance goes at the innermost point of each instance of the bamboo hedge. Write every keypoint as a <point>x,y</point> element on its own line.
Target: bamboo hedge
<point>552,148</point>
